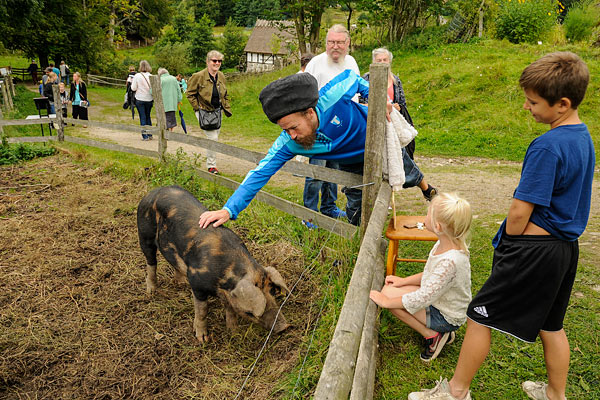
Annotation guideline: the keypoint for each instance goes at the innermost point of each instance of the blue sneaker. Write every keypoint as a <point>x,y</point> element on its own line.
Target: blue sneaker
<point>337,213</point>
<point>309,225</point>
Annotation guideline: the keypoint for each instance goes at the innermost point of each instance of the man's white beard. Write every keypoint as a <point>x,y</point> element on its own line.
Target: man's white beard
<point>338,62</point>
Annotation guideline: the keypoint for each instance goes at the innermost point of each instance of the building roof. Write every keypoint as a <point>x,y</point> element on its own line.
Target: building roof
<point>261,38</point>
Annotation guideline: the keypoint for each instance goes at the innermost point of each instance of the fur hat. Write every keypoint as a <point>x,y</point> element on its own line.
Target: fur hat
<point>288,95</point>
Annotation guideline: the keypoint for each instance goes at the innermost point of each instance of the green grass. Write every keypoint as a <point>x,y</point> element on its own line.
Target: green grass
<point>16,60</point>
<point>465,101</point>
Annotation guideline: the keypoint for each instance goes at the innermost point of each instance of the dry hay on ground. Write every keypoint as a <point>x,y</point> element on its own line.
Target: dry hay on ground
<point>76,322</point>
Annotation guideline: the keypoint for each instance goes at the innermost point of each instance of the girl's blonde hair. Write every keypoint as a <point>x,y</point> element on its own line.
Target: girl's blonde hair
<point>453,214</point>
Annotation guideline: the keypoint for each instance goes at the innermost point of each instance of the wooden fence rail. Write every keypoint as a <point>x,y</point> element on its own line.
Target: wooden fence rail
<point>338,371</point>
<point>105,81</point>
<point>349,368</point>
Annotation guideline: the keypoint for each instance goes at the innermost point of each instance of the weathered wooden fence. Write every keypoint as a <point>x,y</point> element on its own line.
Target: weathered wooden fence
<point>24,75</point>
<point>105,81</point>
<point>349,368</point>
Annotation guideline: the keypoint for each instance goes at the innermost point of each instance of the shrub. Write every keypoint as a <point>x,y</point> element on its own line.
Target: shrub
<point>581,20</point>
<point>173,57</point>
<point>201,41</point>
<point>556,36</point>
<point>234,42</point>
<point>427,38</point>
<point>14,153</point>
<point>525,21</point>
<point>168,36</point>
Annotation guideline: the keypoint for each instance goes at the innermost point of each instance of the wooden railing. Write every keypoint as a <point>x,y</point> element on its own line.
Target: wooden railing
<point>349,368</point>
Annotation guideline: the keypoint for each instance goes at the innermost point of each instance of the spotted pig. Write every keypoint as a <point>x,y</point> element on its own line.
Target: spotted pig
<point>214,261</point>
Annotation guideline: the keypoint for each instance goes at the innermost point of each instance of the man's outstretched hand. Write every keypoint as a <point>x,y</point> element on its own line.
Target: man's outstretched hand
<point>218,217</point>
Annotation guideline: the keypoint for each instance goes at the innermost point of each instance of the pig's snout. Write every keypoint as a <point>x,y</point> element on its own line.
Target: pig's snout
<point>268,319</point>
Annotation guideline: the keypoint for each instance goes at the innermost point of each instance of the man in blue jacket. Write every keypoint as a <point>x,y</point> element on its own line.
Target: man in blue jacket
<point>323,124</point>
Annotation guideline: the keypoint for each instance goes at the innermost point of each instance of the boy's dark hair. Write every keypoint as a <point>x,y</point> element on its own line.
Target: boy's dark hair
<point>557,75</point>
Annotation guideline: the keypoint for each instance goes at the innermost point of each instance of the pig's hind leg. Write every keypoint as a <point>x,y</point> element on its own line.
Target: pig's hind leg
<point>148,245</point>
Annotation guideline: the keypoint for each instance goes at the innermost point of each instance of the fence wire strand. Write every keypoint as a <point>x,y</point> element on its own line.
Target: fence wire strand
<point>307,269</point>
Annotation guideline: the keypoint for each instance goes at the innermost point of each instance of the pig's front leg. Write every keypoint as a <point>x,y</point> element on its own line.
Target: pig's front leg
<point>150,279</point>
<point>200,312</point>
<point>230,317</point>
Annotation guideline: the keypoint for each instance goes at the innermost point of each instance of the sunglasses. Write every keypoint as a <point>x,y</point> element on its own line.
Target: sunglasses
<point>217,61</point>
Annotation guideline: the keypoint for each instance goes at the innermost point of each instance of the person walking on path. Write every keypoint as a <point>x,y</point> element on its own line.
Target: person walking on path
<point>171,93</point>
<point>48,92</point>
<point>324,67</point>
<point>33,70</point>
<point>64,72</point>
<point>182,83</point>
<point>79,98</point>
<point>143,96</point>
<point>56,71</point>
<point>207,93</point>
<point>536,249</point>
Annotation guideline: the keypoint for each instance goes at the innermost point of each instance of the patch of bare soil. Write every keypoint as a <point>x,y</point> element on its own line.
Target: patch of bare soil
<point>76,322</point>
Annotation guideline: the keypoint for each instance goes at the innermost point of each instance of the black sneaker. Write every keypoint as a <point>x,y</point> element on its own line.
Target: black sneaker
<point>434,345</point>
<point>429,193</point>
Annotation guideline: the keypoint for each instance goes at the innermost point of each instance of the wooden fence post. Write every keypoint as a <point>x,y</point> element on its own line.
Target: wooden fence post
<point>160,116</point>
<point>374,142</point>
<point>363,385</point>
<point>1,118</point>
<point>58,110</point>
<point>5,102</point>
<point>337,375</point>
<point>12,84</point>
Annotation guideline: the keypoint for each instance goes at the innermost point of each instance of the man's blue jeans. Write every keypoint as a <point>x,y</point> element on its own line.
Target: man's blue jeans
<point>354,196</point>
<point>328,190</point>
<point>413,176</point>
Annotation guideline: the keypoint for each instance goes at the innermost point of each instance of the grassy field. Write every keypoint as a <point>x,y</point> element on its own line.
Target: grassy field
<point>465,102</point>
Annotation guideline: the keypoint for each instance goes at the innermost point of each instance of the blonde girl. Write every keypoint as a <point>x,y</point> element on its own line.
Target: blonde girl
<point>434,302</point>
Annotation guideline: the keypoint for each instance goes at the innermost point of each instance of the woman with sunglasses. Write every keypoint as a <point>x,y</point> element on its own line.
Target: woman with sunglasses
<point>207,93</point>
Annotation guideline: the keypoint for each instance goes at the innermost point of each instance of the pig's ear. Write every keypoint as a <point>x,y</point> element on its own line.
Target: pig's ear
<point>277,280</point>
<point>248,298</point>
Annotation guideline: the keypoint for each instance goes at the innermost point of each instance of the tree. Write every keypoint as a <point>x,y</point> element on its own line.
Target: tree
<point>53,30</point>
<point>234,42</point>
<point>307,15</point>
<point>201,41</point>
<point>399,17</point>
<point>246,12</point>
<point>183,20</point>
<point>173,57</point>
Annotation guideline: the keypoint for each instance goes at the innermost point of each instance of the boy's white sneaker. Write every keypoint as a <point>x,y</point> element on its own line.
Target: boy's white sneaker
<point>535,390</point>
<point>441,391</point>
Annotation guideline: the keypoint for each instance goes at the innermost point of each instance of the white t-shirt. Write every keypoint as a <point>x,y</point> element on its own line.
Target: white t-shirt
<point>445,284</point>
<point>141,86</point>
<point>324,69</point>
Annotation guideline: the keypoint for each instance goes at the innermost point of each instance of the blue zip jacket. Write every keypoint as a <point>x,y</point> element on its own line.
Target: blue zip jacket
<point>340,136</point>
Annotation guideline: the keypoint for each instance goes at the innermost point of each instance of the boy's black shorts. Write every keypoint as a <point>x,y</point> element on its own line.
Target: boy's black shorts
<point>529,288</point>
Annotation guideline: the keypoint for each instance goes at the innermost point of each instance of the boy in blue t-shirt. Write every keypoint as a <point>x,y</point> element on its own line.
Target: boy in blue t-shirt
<point>536,248</point>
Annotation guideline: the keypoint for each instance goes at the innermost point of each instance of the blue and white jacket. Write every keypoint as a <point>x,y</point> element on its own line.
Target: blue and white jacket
<point>340,136</point>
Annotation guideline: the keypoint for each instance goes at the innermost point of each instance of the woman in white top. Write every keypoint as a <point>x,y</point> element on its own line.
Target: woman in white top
<point>143,96</point>
<point>434,302</point>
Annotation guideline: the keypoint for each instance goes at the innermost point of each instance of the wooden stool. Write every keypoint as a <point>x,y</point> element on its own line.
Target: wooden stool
<point>402,233</point>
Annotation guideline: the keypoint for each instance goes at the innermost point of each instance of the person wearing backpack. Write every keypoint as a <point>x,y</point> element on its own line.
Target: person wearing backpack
<point>64,72</point>
<point>143,96</point>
